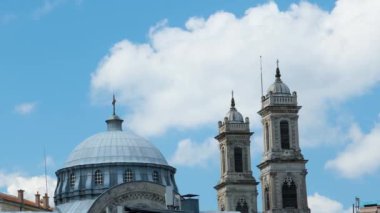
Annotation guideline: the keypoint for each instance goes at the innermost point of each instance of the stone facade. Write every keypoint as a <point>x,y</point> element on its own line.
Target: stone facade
<point>283,171</point>
<point>141,195</point>
<point>236,189</point>
<point>84,187</point>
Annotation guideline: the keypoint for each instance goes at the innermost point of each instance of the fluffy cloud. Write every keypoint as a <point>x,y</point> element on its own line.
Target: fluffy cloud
<point>31,184</point>
<point>206,153</point>
<point>360,157</point>
<point>182,77</point>
<point>25,108</point>
<point>322,204</point>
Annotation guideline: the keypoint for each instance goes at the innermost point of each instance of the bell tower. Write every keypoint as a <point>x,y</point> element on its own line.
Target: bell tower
<point>236,189</point>
<point>283,171</point>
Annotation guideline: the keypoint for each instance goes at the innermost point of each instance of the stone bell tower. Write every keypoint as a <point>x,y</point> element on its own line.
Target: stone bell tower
<point>236,189</point>
<point>283,172</point>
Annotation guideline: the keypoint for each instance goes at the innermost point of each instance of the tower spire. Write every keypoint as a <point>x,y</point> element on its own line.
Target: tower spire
<point>232,100</point>
<point>278,74</point>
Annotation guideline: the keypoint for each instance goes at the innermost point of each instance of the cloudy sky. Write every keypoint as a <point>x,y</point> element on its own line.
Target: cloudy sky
<point>172,65</point>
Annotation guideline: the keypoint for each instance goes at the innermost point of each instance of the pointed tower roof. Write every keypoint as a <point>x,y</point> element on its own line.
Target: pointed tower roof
<point>233,115</point>
<point>278,87</point>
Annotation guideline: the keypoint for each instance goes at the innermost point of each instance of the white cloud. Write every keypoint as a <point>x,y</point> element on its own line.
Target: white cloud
<point>31,184</point>
<point>361,157</point>
<point>182,77</point>
<point>25,108</point>
<point>189,153</point>
<point>322,204</point>
<point>47,7</point>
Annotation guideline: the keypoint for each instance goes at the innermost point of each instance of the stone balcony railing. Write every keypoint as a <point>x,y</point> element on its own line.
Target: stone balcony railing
<point>271,100</point>
<point>228,127</point>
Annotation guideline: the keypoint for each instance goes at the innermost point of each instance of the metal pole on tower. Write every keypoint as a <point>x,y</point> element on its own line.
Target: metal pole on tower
<point>261,75</point>
<point>46,184</point>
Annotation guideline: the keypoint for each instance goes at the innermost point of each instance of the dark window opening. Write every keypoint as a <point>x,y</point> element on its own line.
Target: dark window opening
<point>289,194</point>
<point>267,136</point>
<point>155,177</point>
<point>267,200</point>
<point>242,206</point>
<point>72,180</point>
<point>128,176</point>
<point>284,132</point>
<point>98,177</point>
<point>238,157</point>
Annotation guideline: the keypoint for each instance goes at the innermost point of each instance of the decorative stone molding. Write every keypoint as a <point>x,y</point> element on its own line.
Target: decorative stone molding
<point>135,194</point>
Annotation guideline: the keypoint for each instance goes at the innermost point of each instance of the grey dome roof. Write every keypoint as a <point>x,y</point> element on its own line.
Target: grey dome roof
<point>233,115</point>
<point>278,87</point>
<point>115,146</point>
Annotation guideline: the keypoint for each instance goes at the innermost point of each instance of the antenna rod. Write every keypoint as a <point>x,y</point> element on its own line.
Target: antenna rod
<point>45,171</point>
<point>261,75</point>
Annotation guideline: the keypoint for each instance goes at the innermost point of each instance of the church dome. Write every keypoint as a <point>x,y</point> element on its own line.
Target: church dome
<point>278,87</point>
<point>233,115</point>
<point>106,161</point>
<point>115,146</point>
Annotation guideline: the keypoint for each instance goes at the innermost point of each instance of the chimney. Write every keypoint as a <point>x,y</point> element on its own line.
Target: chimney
<point>20,194</point>
<point>38,199</point>
<point>46,201</point>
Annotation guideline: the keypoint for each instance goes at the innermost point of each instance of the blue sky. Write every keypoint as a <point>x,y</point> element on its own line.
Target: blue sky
<point>172,65</point>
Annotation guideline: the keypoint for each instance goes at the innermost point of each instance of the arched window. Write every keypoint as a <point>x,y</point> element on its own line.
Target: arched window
<point>289,194</point>
<point>242,206</point>
<point>155,177</point>
<point>98,177</point>
<point>284,132</point>
<point>72,180</point>
<point>267,200</point>
<point>238,158</point>
<point>267,136</point>
<point>128,176</point>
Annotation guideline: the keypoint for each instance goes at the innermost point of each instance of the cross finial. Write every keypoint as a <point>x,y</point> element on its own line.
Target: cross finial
<point>113,104</point>
<point>278,62</point>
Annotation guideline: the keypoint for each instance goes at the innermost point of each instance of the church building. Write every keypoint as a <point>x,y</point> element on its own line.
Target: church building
<point>283,171</point>
<point>117,171</point>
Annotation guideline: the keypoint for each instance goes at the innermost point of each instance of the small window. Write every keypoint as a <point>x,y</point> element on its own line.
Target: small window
<point>128,176</point>
<point>98,177</point>
<point>72,180</point>
<point>284,132</point>
<point>238,157</point>
<point>155,177</point>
